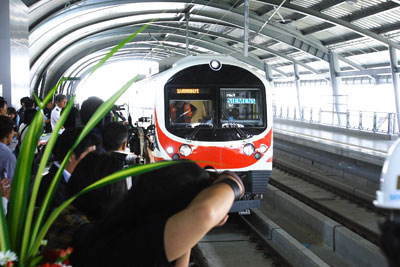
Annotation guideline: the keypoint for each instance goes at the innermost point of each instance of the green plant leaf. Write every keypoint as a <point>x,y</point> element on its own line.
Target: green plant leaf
<point>19,192</point>
<point>36,260</point>
<point>4,241</point>
<point>46,201</point>
<point>49,96</point>
<point>135,170</point>
<point>97,116</point>
<point>20,183</point>
<point>119,46</point>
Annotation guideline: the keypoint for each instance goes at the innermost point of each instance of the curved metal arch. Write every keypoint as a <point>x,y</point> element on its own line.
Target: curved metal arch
<point>77,67</point>
<point>296,39</point>
<point>39,66</point>
<point>290,6</point>
<point>271,51</point>
<point>65,59</point>
<point>212,15</point>
<point>238,40</point>
<point>64,44</point>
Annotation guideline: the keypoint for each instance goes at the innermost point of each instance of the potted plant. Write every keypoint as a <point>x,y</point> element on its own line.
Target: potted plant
<point>22,234</point>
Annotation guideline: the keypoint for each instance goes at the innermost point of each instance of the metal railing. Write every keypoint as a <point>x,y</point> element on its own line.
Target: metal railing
<point>378,122</point>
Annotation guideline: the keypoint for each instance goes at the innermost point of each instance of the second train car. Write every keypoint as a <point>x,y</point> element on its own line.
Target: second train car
<point>214,110</point>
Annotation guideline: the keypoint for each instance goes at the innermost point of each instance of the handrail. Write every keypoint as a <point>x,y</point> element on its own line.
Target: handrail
<point>383,122</point>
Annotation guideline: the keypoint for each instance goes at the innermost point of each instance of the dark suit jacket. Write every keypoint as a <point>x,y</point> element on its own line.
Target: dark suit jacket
<point>59,195</point>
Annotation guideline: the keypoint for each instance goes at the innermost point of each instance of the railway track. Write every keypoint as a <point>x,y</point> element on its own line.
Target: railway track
<point>338,202</point>
<point>306,219</point>
<point>247,241</point>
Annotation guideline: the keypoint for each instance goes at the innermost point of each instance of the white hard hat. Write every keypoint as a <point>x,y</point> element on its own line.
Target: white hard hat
<point>388,197</point>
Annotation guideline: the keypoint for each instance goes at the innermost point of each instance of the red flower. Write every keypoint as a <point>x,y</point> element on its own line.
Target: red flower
<point>63,253</point>
<point>10,264</point>
<point>69,250</point>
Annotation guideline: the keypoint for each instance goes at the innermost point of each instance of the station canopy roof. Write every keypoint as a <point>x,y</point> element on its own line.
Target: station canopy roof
<point>67,37</point>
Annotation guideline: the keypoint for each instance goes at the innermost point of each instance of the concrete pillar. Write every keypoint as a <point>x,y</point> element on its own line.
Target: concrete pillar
<point>246,28</point>
<point>395,78</point>
<point>335,83</point>
<point>14,51</point>
<point>297,81</point>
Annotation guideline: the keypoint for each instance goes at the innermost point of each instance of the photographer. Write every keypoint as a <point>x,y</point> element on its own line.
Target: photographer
<point>114,137</point>
<point>140,142</point>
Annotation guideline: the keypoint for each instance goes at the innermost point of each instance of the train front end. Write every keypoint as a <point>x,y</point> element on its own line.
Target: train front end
<point>218,112</point>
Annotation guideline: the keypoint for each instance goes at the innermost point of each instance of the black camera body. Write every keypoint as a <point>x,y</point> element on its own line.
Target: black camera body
<point>139,140</point>
<point>127,159</point>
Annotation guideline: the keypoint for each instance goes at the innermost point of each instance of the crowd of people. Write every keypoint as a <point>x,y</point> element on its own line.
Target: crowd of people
<point>153,219</point>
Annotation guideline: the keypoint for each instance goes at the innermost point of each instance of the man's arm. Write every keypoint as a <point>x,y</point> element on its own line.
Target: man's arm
<point>208,209</point>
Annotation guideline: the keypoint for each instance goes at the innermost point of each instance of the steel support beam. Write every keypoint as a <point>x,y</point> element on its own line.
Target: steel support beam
<point>370,72</point>
<point>354,16</point>
<point>187,33</point>
<point>335,82</point>
<point>268,74</point>
<point>246,28</point>
<point>394,64</point>
<point>297,81</point>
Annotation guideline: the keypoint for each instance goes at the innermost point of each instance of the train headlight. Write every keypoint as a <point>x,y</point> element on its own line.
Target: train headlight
<point>249,149</point>
<point>170,150</point>
<point>263,148</point>
<point>215,65</point>
<point>185,150</point>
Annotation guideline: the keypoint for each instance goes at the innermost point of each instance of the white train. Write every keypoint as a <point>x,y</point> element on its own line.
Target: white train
<point>214,110</point>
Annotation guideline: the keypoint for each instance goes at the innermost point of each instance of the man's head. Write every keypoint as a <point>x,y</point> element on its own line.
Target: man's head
<point>235,113</point>
<point>3,107</point>
<point>114,136</point>
<point>49,105</point>
<point>6,130</point>
<point>66,140</point>
<point>61,100</point>
<point>179,104</point>
<point>70,122</point>
<point>89,107</point>
<point>26,102</point>
<point>29,115</point>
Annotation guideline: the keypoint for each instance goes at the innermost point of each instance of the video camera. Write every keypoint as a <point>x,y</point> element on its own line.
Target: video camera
<point>116,111</point>
<point>127,158</point>
<point>140,138</point>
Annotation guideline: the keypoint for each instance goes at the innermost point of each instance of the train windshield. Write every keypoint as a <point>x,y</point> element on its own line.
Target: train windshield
<point>241,107</point>
<point>207,105</point>
<point>215,113</point>
<point>191,112</point>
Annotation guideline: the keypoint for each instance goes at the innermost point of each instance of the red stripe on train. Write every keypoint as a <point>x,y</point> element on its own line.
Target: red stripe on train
<point>228,157</point>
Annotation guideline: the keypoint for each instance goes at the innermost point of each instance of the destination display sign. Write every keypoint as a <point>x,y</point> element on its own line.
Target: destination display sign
<point>241,100</point>
<point>187,90</point>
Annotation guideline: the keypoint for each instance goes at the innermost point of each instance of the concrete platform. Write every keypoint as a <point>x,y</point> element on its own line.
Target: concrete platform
<point>364,146</point>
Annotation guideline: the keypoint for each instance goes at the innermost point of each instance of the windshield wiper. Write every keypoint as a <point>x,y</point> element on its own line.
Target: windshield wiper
<point>200,126</point>
<point>237,128</point>
<point>183,114</point>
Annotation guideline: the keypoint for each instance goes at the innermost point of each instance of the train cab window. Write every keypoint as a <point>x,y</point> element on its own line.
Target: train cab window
<point>241,107</point>
<point>190,113</point>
